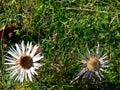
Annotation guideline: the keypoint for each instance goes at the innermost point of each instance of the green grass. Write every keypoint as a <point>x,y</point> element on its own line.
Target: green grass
<point>78,24</point>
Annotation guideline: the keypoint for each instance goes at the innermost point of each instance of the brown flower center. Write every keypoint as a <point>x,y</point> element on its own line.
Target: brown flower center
<point>93,63</point>
<point>26,62</point>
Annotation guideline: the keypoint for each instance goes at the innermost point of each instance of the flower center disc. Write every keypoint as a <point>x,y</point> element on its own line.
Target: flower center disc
<point>93,63</point>
<point>26,62</point>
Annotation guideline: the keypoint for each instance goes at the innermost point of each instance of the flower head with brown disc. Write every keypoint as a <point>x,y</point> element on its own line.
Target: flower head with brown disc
<point>23,61</point>
<point>93,65</point>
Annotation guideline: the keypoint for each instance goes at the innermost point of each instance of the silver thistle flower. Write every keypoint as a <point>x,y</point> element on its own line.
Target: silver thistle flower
<point>23,61</point>
<point>93,65</point>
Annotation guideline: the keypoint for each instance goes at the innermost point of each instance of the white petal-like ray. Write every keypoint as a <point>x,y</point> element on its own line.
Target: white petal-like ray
<point>7,57</point>
<point>21,80</point>
<point>13,51</point>
<point>97,50</point>
<point>104,55</point>
<point>102,58</point>
<point>103,70</point>
<point>13,54</point>
<point>23,47</point>
<point>25,75</point>
<point>36,67</point>
<point>21,76</point>
<point>29,75</point>
<point>88,52</point>
<point>104,66</point>
<point>86,74</point>
<point>103,62</point>
<point>81,73</point>
<point>14,72</point>
<point>101,74</point>
<point>13,67</point>
<point>9,60</point>
<point>98,74</point>
<point>33,71</point>
<point>28,48</point>
<point>18,49</point>
<point>21,71</point>
<point>90,75</point>
<point>16,79</point>
<point>10,63</point>
<point>37,57</point>
<point>37,64</point>
<point>34,51</point>
<point>27,45</point>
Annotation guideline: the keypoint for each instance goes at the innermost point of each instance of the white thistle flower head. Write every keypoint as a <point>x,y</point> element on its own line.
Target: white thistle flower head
<point>24,61</point>
<point>93,65</point>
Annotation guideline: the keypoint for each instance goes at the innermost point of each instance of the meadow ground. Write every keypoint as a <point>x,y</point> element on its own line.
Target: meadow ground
<point>63,29</point>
